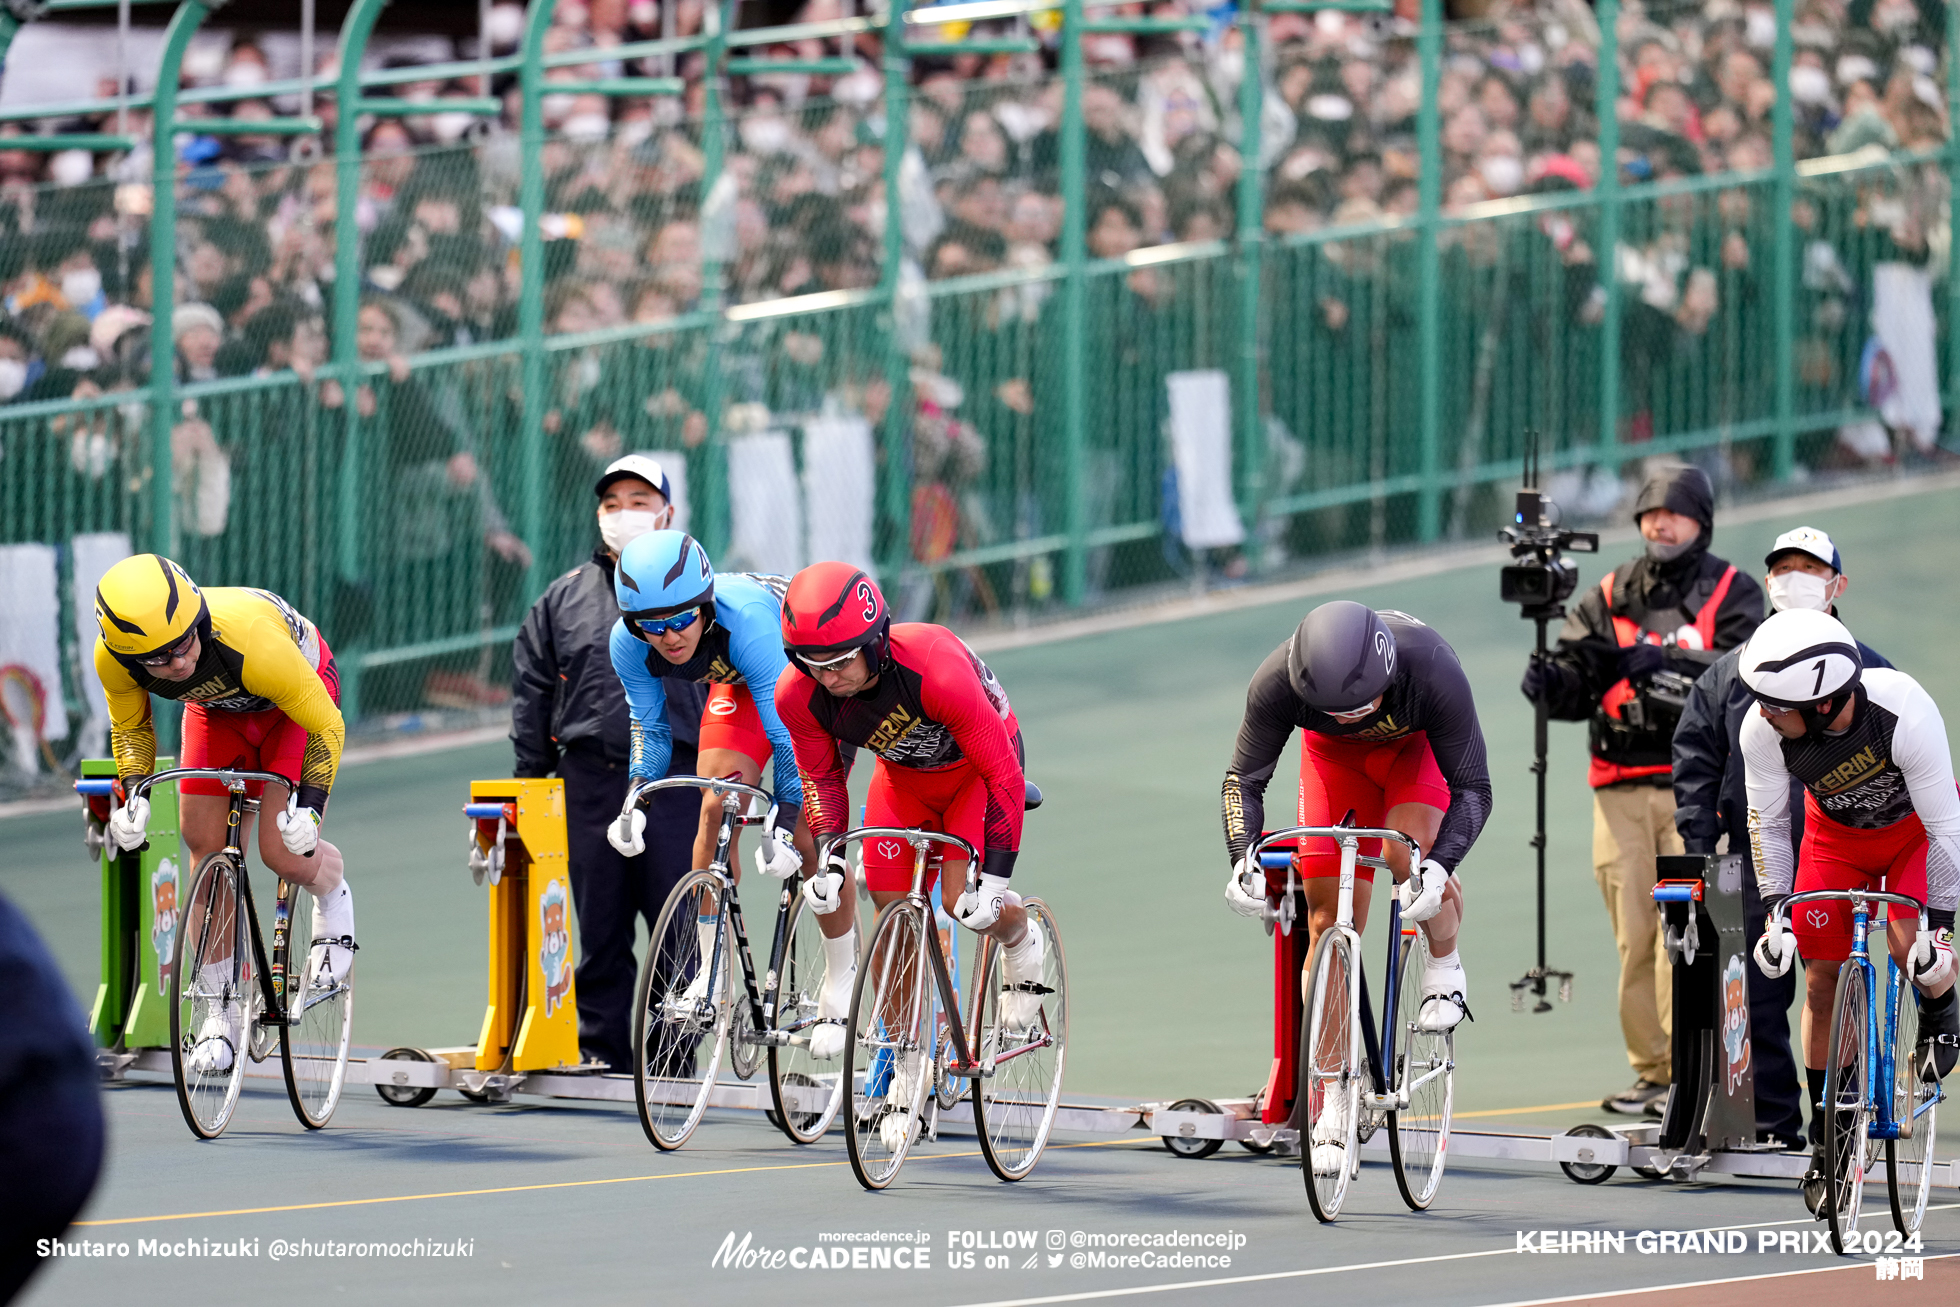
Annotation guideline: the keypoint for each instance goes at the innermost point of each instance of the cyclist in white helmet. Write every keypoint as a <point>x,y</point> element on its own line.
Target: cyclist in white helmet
<point>1881,811</point>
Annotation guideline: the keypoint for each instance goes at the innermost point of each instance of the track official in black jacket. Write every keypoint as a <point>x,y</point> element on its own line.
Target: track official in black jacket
<point>1627,654</point>
<point>568,715</point>
<point>1805,571</point>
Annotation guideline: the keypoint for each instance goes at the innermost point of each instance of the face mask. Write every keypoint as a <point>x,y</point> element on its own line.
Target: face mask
<point>1661,553</point>
<point>13,376</point>
<point>587,127</point>
<point>1503,172</point>
<point>1809,85</point>
<point>81,286</point>
<point>555,107</point>
<point>449,127</point>
<point>1800,590</point>
<point>621,528</point>
<point>765,135</point>
<point>245,73</point>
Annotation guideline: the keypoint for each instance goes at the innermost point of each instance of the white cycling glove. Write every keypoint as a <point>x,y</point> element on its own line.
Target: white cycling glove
<point>299,828</point>
<point>981,906</point>
<point>1422,894</point>
<point>628,833</point>
<point>1245,892</point>
<point>1777,949</point>
<point>127,823</point>
<point>824,892</point>
<point>777,857</point>
<point>1932,958</point>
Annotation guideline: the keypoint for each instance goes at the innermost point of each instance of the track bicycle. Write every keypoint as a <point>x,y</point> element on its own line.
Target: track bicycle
<point>899,1053</point>
<point>1871,1100</point>
<point>688,1014</point>
<point>219,968</point>
<point>1404,1078</point>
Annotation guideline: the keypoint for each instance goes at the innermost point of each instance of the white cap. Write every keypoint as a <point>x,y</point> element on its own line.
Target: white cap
<point>1806,540</point>
<point>641,467</point>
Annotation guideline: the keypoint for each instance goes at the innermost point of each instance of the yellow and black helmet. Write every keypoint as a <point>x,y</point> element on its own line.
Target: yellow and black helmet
<point>145,604</point>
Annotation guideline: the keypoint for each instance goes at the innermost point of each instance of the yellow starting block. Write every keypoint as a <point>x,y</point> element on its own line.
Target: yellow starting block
<point>518,834</point>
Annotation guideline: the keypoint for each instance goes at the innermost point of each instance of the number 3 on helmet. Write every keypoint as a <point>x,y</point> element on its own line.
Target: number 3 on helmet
<point>832,609</point>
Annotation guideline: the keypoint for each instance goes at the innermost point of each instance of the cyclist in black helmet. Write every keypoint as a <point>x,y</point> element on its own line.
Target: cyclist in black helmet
<point>1391,732</point>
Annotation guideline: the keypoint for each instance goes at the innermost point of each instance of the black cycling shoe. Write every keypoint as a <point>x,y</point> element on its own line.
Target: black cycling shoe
<point>1939,1036</point>
<point>1816,1184</point>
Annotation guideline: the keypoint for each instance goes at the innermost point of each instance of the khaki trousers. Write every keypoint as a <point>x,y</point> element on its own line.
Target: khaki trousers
<point>1632,825</point>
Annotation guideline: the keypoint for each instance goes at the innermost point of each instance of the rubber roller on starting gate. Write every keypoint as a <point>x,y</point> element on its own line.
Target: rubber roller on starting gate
<point>139,919</point>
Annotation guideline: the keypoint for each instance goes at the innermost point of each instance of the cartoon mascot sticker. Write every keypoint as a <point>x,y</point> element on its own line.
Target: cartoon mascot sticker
<point>1735,1020</point>
<point>555,948</point>
<point>163,919</point>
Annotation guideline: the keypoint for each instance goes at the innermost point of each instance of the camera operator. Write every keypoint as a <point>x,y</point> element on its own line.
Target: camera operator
<point>1805,571</point>
<point>1629,653</point>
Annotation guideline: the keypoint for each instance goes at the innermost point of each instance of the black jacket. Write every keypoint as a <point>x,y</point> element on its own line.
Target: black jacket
<point>1659,597</point>
<point>564,692</point>
<point>1710,790</point>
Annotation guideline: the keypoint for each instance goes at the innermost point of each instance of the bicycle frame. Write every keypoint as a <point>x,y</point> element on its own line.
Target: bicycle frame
<point>1387,1097</point>
<point>1880,1070</point>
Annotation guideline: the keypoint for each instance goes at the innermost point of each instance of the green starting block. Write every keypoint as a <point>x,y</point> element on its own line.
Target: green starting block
<point>139,920</point>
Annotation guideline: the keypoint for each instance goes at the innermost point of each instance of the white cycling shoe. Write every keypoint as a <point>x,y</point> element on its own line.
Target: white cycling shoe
<point>217,1040</point>
<point>833,1007</point>
<point>331,960</point>
<point>1021,969</point>
<point>1443,987</point>
<point>897,1120</point>
<point>1329,1144</point>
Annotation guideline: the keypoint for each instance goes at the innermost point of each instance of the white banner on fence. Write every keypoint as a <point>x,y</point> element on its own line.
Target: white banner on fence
<point>839,485</point>
<point>765,504</point>
<point>1201,448</point>
<point>93,555</point>
<point>30,650</point>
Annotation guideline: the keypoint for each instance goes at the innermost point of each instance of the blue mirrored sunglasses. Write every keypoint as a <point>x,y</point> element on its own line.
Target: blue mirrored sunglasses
<point>672,622</point>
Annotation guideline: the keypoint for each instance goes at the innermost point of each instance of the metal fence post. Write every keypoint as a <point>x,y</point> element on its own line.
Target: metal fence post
<point>711,502</point>
<point>1951,389</point>
<point>163,268</point>
<point>1783,276</point>
<point>351,487</point>
<point>1605,254</point>
<point>1075,511</point>
<point>530,292</point>
<point>896,505</point>
<point>1429,345</point>
<point>1251,247</point>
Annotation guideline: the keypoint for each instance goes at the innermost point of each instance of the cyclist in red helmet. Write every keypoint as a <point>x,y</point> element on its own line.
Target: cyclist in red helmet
<point>948,749</point>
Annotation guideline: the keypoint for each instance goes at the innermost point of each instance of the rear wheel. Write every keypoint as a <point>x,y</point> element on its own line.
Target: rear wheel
<point>1908,1177</point>
<point>1331,1074</point>
<point>807,1091</point>
<point>888,1045</point>
<point>1419,1134</point>
<point>1847,1143</point>
<point>1014,1108</point>
<point>320,1018</point>
<point>680,1015</point>
<point>212,984</point>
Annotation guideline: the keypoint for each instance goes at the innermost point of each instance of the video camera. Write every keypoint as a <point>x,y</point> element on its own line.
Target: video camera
<point>1541,578</point>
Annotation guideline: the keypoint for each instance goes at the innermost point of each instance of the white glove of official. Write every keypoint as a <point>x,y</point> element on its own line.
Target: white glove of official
<point>776,856</point>
<point>1422,893</point>
<point>1245,892</point>
<point>299,828</point>
<point>981,906</point>
<point>127,823</point>
<point>628,833</point>
<point>1777,949</point>
<point>824,892</point>
<point>1931,960</point>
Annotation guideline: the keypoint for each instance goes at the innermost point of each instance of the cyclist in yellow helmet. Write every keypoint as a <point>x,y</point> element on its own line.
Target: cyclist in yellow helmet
<point>260,693</point>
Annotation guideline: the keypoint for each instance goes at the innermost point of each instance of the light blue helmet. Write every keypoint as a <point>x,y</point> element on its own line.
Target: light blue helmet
<point>660,573</point>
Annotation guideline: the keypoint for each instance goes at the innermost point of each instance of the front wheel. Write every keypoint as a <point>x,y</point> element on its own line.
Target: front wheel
<point>212,985</point>
<point>807,1091</point>
<point>1023,1038</point>
<point>680,1012</point>
<point>888,1045</point>
<point>1331,1073</point>
<point>320,1017</point>
<point>1915,1099</point>
<point>1419,1134</point>
<point>1848,1098</point>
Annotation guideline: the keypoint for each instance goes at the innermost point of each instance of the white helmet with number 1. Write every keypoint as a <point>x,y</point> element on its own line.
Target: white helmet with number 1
<point>1800,657</point>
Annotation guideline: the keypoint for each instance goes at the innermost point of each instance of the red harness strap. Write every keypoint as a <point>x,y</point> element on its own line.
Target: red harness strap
<point>1627,633</point>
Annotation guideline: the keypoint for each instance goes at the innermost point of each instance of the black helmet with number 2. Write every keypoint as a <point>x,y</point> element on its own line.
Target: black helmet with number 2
<point>1341,657</point>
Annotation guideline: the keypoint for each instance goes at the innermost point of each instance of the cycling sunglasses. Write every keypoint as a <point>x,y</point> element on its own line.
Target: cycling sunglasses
<point>672,622</point>
<point>827,664</point>
<point>168,656</point>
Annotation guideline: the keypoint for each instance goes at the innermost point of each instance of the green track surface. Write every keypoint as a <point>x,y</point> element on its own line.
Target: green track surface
<point>1128,733</point>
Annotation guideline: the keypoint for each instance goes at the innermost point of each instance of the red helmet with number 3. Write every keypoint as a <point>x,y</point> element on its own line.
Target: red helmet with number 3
<point>832,609</point>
